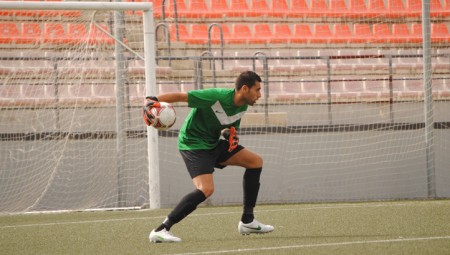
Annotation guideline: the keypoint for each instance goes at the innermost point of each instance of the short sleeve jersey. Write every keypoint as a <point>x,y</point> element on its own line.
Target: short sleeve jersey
<point>212,110</point>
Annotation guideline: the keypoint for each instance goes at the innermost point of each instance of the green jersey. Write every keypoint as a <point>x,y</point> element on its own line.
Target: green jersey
<point>212,111</point>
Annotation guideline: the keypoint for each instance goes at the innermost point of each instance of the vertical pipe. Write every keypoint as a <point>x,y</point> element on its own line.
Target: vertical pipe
<point>120,109</point>
<point>428,101</point>
<point>152,89</point>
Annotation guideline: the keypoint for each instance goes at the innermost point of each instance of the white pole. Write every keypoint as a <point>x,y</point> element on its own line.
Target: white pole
<point>152,90</point>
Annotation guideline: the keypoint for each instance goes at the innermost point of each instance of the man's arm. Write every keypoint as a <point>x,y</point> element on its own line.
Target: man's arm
<point>173,97</point>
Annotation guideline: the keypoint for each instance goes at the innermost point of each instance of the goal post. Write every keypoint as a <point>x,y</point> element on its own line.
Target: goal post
<point>85,48</point>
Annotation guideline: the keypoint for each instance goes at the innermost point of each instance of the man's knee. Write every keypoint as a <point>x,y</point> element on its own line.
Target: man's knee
<point>207,190</point>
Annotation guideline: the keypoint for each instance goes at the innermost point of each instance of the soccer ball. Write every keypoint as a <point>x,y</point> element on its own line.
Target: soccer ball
<point>164,116</point>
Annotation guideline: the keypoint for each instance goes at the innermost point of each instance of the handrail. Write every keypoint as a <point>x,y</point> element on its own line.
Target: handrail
<point>163,24</point>
<point>176,16</point>
<point>221,41</point>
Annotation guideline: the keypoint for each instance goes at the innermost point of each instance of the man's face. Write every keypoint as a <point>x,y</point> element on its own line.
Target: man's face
<point>253,93</point>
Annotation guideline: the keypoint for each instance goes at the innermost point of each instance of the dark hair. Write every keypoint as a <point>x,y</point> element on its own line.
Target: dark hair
<point>248,78</point>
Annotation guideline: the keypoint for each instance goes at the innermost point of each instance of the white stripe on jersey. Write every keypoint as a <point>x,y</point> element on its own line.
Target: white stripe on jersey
<point>222,116</point>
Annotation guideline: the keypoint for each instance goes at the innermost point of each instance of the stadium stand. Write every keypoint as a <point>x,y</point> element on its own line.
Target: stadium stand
<point>278,26</point>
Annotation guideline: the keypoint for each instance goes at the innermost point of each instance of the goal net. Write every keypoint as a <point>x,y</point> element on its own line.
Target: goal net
<point>70,126</point>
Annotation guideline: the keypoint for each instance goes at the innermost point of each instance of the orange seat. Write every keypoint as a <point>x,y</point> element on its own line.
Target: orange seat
<point>157,8</point>
<point>299,8</point>
<point>321,33</point>
<point>381,33</point>
<point>281,33</point>
<point>197,9</point>
<point>182,32</point>
<point>338,8</point>
<point>215,34</point>
<point>396,8</point>
<point>341,33</point>
<point>76,33</point>
<point>169,9</point>
<point>401,33</point>
<point>198,34</point>
<point>54,33</point>
<point>436,8</point>
<point>376,8</point>
<point>219,8</point>
<point>357,8</point>
<point>240,34</point>
<point>362,33</point>
<point>279,8</point>
<point>238,8</point>
<point>258,8</point>
<point>31,33</point>
<point>97,36</point>
<point>439,32</point>
<point>319,8</point>
<point>8,32</point>
<point>302,33</point>
<point>262,32</point>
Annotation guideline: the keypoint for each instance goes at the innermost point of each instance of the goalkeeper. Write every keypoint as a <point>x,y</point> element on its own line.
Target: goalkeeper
<point>215,112</point>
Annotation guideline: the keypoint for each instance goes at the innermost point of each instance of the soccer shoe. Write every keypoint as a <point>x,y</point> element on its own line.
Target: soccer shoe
<point>163,236</point>
<point>254,227</point>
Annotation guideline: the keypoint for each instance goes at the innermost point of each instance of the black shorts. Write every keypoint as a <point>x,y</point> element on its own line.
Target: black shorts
<point>200,162</point>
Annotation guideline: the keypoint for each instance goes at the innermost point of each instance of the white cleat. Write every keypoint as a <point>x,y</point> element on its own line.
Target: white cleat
<point>254,227</point>
<point>163,236</point>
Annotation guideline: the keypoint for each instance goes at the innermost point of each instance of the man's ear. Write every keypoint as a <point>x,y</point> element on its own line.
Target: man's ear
<point>245,88</point>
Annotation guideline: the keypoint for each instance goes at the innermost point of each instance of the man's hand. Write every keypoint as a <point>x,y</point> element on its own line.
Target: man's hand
<point>231,136</point>
<point>150,102</point>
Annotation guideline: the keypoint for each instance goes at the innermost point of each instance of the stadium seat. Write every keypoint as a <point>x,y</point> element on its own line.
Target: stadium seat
<point>279,8</point>
<point>238,8</point>
<point>357,8</point>
<point>240,34</point>
<point>338,8</point>
<point>362,33</point>
<point>302,33</point>
<point>198,34</point>
<point>198,9</point>
<point>321,33</point>
<point>281,33</point>
<point>319,8</point>
<point>439,32</point>
<point>341,33</point>
<point>54,33</point>
<point>76,33</point>
<point>299,8</point>
<point>182,10</point>
<point>382,33</point>
<point>396,8</point>
<point>258,8</point>
<point>98,36</point>
<point>219,8</point>
<point>262,32</point>
<point>182,32</point>
<point>31,33</point>
<point>8,32</point>
<point>376,8</point>
<point>401,33</point>
<point>215,34</point>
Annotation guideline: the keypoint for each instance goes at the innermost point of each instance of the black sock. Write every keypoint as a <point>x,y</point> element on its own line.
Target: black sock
<point>187,205</point>
<point>251,189</point>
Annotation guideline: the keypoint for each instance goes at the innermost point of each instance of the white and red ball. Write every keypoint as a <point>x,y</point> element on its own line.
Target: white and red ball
<point>164,116</point>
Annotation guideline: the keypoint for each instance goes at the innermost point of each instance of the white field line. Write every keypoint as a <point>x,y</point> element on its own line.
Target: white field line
<point>318,245</point>
<point>340,206</point>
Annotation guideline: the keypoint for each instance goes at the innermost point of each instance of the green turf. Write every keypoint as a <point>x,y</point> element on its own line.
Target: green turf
<point>401,227</point>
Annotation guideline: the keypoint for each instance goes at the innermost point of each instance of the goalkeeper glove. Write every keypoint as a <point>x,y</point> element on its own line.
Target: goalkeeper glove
<point>231,136</point>
<point>151,101</point>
